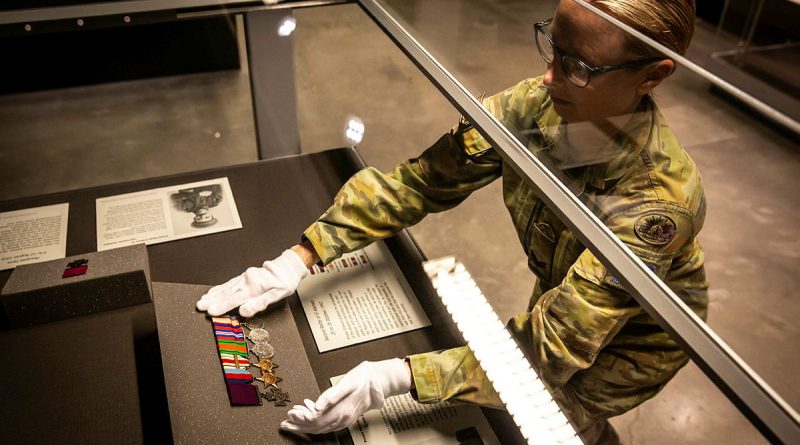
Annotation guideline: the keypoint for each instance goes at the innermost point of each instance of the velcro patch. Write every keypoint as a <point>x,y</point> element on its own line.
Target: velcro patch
<point>615,281</point>
<point>464,125</point>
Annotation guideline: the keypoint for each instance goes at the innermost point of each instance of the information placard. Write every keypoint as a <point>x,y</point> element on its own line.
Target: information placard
<point>33,235</point>
<point>359,297</point>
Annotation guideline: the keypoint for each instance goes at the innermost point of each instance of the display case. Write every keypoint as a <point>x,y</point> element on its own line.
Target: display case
<point>390,77</point>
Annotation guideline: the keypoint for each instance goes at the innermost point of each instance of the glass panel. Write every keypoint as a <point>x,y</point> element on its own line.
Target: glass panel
<point>754,45</point>
<point>489,47</point>
<point>347,67</point>
<point>99,100</point>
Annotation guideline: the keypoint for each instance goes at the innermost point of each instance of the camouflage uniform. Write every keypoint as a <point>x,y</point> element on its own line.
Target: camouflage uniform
<point>597,350</point>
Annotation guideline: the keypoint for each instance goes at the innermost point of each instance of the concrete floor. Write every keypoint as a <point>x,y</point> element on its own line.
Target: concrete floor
<point>80,137</point>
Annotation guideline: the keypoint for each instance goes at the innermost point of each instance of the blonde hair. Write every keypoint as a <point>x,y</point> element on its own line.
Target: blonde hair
<point>669,22</point>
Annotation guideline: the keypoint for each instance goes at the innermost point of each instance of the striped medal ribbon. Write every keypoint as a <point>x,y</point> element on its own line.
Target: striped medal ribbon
<point>233,356</point>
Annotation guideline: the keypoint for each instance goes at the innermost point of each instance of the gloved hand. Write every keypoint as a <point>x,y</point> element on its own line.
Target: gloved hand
<point>363,388</point>
<point>257,287</point>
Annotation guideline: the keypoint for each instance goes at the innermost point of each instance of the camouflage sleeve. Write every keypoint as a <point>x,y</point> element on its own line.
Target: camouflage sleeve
<point>568,325</point>
<point>453,374</point>
<point>373,205</point>
<point>566,328</point>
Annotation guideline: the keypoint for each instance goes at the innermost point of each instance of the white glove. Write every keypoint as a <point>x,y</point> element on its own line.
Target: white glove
<point>363,388</point>
<point>257,287</point>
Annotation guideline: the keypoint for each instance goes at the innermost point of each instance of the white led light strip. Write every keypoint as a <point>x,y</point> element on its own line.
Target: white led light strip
<point>527,400</point>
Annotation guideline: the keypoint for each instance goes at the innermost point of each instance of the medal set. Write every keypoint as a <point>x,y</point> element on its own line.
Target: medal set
<point>259,337</point>
<point>232,344</point>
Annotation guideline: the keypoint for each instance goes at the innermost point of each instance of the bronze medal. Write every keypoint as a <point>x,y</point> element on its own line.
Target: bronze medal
<point>265,365</point>
<point>268,378</point>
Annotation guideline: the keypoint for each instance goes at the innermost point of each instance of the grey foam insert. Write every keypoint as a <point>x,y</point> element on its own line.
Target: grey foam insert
<point>198,402</point>
<point>37,293</point>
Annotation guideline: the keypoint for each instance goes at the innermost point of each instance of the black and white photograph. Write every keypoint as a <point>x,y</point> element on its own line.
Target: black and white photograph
<point>200,209</point>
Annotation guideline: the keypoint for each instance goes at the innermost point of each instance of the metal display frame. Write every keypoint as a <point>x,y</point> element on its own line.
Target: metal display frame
<point>768,412</point>
<point>34,15</point>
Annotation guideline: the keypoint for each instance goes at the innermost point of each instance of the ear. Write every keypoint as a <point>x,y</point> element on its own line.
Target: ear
<point>654,75</point>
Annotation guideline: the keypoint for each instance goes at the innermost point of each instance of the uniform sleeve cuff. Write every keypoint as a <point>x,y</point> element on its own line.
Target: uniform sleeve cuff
<point>312,235</point>
<point>427,378</point>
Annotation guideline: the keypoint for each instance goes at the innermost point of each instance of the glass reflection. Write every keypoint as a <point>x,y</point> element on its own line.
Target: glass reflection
<point>745,168</point>
<point>591,343</point>
<point>354,132</point>
<point>287,26</point>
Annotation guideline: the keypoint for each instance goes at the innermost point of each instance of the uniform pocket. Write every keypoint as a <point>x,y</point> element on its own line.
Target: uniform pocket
<point>541,249</point>
<point>544,230</point>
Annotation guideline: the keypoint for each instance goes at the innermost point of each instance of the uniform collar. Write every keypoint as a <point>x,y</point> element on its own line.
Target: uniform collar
<point>622,150</point>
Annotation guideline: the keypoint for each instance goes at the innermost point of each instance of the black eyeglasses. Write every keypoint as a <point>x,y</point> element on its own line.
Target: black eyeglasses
<point>577,71</point>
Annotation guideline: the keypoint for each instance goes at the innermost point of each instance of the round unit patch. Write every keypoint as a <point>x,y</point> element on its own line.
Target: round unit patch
<point>655,228</point>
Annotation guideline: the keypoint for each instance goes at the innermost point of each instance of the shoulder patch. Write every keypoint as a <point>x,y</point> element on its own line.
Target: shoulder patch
<point>655,228</point>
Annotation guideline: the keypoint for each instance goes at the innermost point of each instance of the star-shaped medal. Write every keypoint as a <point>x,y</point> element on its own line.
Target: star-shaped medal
<point>269,378</point>
<point>274,394</point>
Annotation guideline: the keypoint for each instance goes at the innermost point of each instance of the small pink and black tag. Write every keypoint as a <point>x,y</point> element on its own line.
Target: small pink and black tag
<point>75,268</point>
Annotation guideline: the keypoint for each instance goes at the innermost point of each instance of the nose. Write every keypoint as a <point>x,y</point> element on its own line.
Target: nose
<point>549,74</point>
<point>555,73</point>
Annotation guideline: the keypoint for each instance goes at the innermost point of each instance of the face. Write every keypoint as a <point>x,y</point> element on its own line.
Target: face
<point>580,32</point>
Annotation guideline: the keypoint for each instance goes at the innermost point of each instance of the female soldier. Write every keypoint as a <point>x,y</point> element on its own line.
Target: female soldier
<point>594,347</point>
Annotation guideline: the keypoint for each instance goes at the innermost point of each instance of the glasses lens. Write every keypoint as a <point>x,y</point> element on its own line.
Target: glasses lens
<point>575,71</point>
<point>545,46</point>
